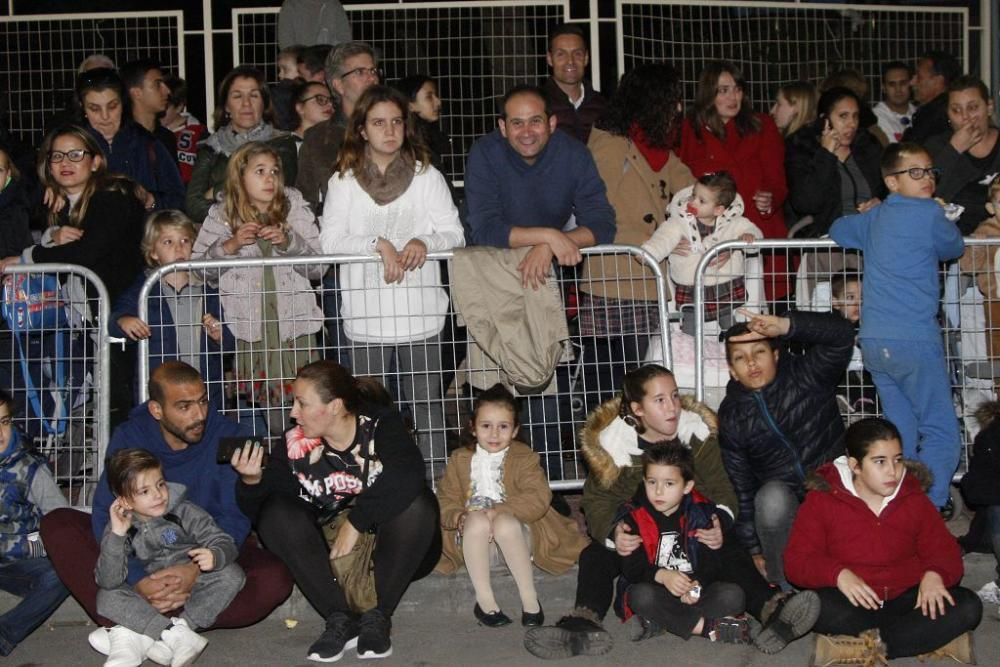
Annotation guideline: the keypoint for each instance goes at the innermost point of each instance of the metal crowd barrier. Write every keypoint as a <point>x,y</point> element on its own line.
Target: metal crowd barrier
<point>434,378</point>
<point>56,366</point>
<point>818,271</point>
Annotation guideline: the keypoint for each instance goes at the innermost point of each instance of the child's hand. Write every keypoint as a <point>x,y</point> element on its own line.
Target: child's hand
<point>203,558</point>
<point>625,541</point>
<point>245,235</point>
<point>676,582</point>
<point>688,598</point>
<point>121,518</point>
<point>413,255</point>
<point>133,327</point>
<point>711,537</point>
<point>857,592</point>
<point>393,272</point>
<point>212,327</point>
<point>770,326</point>
<point>275,234</point>
<point>868,205</point>
<point>932,595</point>
<point>720,259</point>
<point>9,261</point>
<point>748,238</point>
<point>682,249</point>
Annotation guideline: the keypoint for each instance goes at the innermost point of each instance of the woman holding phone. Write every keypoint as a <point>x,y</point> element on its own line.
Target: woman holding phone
<point>833,168</point>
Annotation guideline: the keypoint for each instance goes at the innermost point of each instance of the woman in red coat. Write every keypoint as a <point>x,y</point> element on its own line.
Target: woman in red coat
<point>880,556</point>
<point>722,133</point>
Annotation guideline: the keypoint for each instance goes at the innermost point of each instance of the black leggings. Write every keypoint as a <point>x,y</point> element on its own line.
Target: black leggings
<point>407,548</point>
<point>905,630</point>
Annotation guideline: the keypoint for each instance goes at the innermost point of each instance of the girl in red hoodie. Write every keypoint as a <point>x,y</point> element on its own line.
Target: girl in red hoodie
<point>880,556</point>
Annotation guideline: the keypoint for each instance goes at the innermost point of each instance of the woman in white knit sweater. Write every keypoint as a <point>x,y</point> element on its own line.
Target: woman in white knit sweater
<point>386,199</point>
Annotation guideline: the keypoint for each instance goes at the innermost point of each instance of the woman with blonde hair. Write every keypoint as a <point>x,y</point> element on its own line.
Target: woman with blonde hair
<point>794,107</point>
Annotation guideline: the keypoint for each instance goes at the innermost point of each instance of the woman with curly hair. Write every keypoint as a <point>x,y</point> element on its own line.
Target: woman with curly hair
<point>632,148</point>
<point>722,133</point>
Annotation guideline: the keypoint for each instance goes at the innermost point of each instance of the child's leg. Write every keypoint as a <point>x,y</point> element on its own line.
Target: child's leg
<point>886,371</point>
<point>476,551</point>
<point>993,513</point>
<point>837,616</point>
<point>906,631</point>
<point>656,603</point>
<point>738,568</point>
<point>420,383</point>
<point>35,581</point>
<point>508,533</point>
<point>129,609</point>
<point>212,593</point>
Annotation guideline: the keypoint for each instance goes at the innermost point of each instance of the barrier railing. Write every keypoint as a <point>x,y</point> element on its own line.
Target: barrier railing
<point>825,278</point>
<point>55,363</point>
<point>412,338</point>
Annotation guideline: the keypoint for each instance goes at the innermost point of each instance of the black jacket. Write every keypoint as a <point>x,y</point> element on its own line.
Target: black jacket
<point>575,122</point>
<point>791,426</point>
<point>929,119</point>
<point>979,485</point>
<point>957,172</point>
<point>814,176</point>
<point>15,232</point>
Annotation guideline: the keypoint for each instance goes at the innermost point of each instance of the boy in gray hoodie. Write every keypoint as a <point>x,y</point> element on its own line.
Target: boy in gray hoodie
<point>151,520</point>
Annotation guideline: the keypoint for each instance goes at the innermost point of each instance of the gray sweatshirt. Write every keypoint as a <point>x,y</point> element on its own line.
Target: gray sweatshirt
<point>163,541</point>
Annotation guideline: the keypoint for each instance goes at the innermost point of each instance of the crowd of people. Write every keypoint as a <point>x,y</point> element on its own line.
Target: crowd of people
<point>699,523</point>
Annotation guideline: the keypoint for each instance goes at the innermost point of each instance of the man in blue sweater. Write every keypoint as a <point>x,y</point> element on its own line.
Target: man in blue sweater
<point>179,426</point>
<point>525,183</point>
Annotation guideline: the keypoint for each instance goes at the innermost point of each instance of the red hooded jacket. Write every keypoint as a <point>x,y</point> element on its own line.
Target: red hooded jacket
<point>834,530</point>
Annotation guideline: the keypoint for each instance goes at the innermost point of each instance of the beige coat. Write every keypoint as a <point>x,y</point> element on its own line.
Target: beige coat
<point>556,542</point>
<point>635,192</point>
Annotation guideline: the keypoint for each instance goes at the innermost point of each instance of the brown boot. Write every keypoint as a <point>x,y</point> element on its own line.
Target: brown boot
<point>960,649</point>
<point>866,650</point>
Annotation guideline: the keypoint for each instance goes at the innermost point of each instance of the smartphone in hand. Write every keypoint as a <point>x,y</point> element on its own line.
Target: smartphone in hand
<point>228,447</point>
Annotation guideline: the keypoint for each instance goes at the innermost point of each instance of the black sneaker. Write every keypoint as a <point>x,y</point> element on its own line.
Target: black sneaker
<point>641,628</point>
<point>341,633</point>
<point>793,616</point>
<point>373,635</point>
<point>571,635</point>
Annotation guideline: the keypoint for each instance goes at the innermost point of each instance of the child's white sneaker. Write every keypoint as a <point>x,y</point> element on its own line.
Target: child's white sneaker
<point>185,644</point>
<point>990,593</point>
<point>100,641</point>
<point>126,648</point>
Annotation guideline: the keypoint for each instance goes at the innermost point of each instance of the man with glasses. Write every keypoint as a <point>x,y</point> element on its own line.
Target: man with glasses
<point>904,240</point>
<point>351,69</point>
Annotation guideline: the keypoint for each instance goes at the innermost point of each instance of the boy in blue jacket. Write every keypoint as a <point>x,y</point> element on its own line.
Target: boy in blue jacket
<point>904,239</point>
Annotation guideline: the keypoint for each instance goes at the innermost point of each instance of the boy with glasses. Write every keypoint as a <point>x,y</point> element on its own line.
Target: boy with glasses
<point>904,239</point>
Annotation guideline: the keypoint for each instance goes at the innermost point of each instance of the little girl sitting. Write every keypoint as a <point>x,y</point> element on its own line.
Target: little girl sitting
<point>881,558</point>
<point>491,490</point>
<point>271,310</point>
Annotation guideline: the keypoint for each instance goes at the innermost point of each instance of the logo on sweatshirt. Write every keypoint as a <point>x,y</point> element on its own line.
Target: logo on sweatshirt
<point>169,536</point>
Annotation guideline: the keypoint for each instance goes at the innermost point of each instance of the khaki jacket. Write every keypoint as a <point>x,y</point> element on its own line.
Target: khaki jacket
<point>612,482</point>
<point>556,542</point>
<point>640,204</point>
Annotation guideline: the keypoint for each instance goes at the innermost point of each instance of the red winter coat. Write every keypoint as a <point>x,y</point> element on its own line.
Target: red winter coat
<point>834,530</point>
<point>757,162</point>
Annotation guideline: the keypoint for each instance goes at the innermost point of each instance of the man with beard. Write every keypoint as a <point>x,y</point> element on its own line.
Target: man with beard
<point>178,425</point>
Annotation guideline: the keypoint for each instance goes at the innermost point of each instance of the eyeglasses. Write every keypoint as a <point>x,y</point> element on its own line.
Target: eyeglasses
<point>917,173</point>
<point>373,72</point>
<point>322,100</point>
<point>75,155</point>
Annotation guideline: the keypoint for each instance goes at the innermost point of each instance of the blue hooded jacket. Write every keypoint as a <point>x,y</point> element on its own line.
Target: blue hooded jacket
<point>210,486</point>
<point>140,156</point>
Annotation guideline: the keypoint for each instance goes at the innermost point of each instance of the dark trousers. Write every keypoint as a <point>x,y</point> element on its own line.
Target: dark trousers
<point>34,580</point>
<point>600,567</point>
<point>905,630</point>
<point>69,539</point>
<point>655,602</point>
<point>608,359</point>
<point>407,548</point>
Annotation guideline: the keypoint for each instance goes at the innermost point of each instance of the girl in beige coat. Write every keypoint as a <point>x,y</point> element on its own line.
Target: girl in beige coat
<point>489,493</point>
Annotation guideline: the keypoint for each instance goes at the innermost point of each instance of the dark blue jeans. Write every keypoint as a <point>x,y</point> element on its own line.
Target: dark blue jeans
<point>35,581</point>
<point>993,512</point>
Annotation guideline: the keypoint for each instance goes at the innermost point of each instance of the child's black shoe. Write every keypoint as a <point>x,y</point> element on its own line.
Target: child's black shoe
<point>494,619</point>
<point>793,616</point>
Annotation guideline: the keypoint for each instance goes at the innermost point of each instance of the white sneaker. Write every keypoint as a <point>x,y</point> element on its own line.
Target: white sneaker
<point>100,641</point>
<point>185,644</point>
<point>990,593</point>
<point>126,648</point>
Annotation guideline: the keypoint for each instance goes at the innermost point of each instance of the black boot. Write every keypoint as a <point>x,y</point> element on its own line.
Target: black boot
<point>571,635</point>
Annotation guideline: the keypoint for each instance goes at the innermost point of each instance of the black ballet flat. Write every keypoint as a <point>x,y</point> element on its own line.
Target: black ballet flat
<point>535,620</point>
<point>494,619</point>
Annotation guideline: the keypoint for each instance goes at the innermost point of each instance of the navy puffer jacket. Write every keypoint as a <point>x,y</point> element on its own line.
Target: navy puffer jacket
<point>791,426</point>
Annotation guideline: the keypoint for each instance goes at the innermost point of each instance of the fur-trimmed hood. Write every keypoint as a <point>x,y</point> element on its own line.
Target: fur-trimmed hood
<point>609,443</point>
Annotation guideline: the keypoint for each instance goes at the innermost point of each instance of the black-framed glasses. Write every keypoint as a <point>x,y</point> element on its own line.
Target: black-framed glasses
<point>321,99</point>
<point>917,173</point>
<point>363,71</point>
<point>75,155</point>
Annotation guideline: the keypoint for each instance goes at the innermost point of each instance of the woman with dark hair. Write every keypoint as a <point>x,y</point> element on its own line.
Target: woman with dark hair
<point>386,200</point>
<point>632,147</point>
<point>970,153</point>
<point>722,133</point>
<point>129,149</point>
<point>313,104</point>
<point>833,164</point>
<point>245,115</point>
<point>350,455</point>
<point>425,114</point>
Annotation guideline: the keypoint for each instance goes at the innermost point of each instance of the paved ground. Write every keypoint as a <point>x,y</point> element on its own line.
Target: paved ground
<point>434,626</point>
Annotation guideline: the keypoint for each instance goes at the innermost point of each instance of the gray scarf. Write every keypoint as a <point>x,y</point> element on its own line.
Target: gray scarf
<point>385,189</point>
<point>227,140</point>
